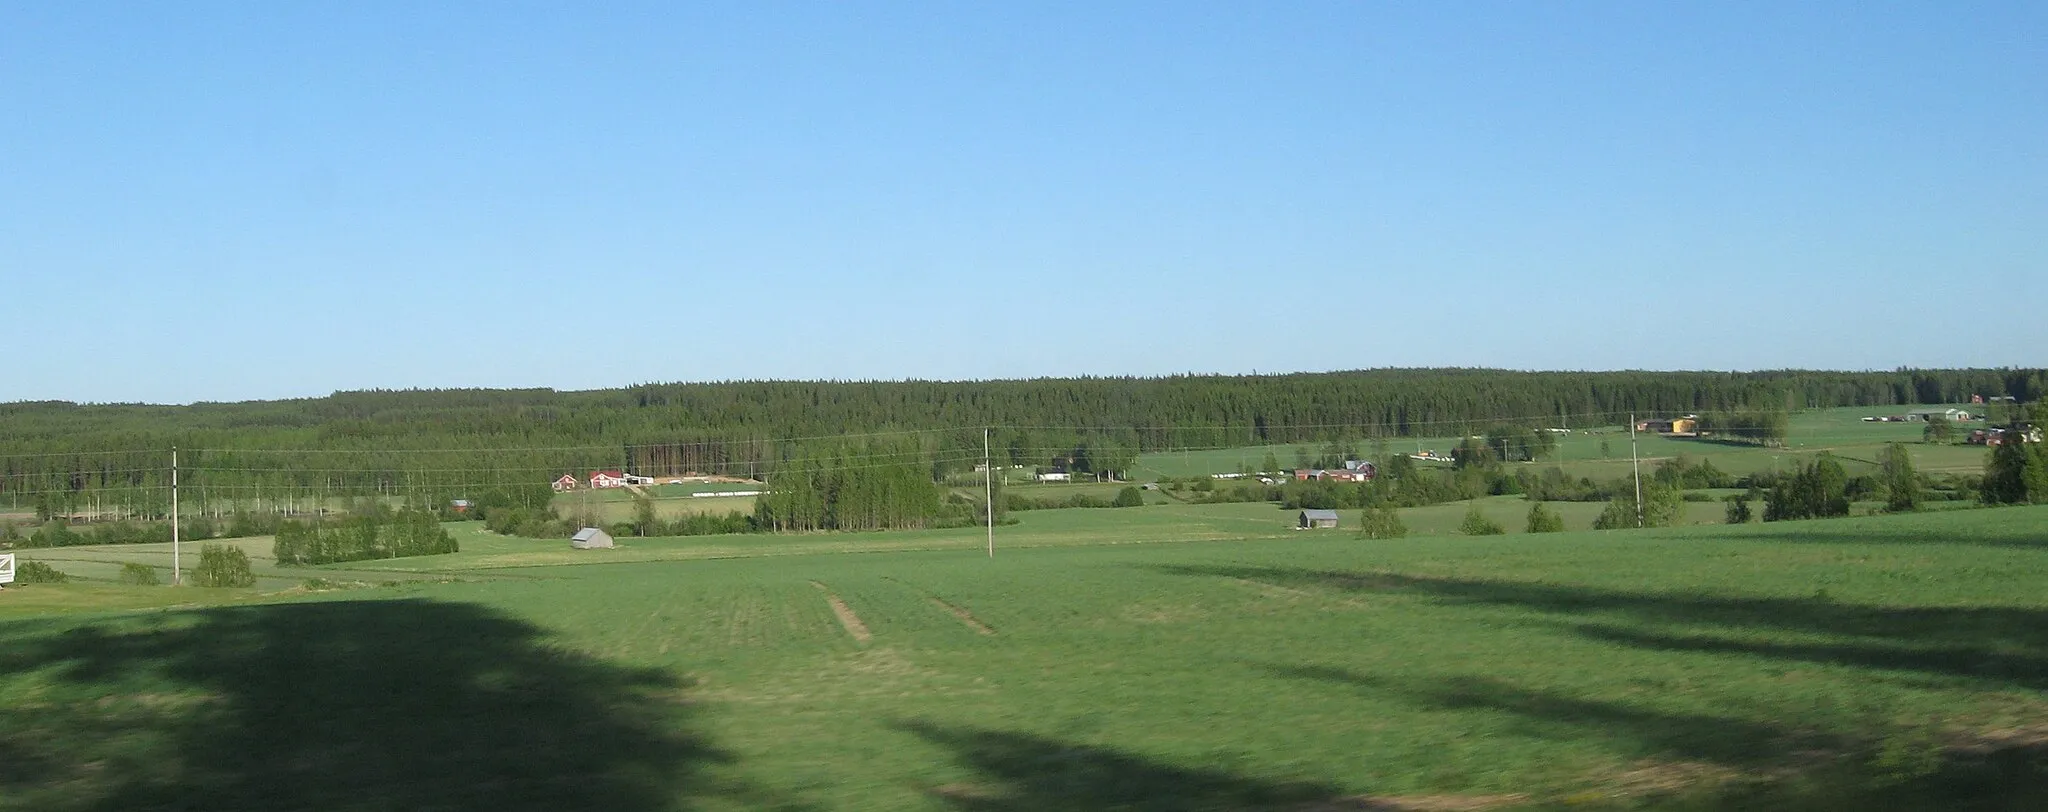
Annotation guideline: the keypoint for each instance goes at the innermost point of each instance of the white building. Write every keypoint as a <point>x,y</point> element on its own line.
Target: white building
<point>591,538</point>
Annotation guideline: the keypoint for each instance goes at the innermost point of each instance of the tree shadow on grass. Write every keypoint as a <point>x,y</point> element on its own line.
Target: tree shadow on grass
<point>1022,772</point>
<point>1767,767</point>
<point>407,704</point>
<point>1632,730</point>
<point>2004,645</point>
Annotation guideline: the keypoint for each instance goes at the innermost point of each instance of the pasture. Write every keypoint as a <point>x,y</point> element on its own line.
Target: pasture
<point>1159,658</point>
<point>1603,452</point>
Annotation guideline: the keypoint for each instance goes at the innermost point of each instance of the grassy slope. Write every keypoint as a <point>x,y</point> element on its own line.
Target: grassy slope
<point>1805,665</point>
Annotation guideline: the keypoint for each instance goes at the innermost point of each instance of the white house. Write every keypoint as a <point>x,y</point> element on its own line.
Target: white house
<point>566,483</point>
<point>1055,476</point>
<point>1951,415</point>
<point>607,479</point>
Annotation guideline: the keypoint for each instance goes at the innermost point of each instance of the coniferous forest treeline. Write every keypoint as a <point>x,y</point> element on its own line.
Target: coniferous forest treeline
<point>431,445</point>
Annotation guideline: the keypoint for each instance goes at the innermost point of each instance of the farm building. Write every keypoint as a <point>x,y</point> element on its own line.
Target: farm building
<point>591,538</point>
<point>1923,415</point>
<point>2000,436</point>
<point>1311,519</point>
<point>1680,425</point>
<point>607,479</point>
<point>1354,471</point>
<point>566,483</point>
<point>1055,476</point>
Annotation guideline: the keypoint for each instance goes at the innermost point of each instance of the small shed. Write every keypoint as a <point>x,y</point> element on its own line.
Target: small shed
<point>591,538</point>
<point>1312,519</point>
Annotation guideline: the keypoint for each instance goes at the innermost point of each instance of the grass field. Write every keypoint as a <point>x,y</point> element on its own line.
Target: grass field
<point>1160,658</point>
<point>1841,432</point>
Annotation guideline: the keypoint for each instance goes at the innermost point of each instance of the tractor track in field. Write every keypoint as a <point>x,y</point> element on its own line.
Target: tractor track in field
<point>959,613</point>
<point>847,618</point>
<point>963,615</point>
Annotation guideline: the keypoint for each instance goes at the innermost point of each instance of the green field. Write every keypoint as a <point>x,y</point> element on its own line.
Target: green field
<point>1158,658</point>
<point>1841,432</point>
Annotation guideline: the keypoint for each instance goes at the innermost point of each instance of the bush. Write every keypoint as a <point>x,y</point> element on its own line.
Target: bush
<point>37,572</point>
<point>1618,515</point>
<point>1129,497</point>
<point>1544,520</point>
<point>139,575</point>
<point>1476,524</point>
<point>221,565</point>
<point>1738,507</point>
<point>1381,522</point>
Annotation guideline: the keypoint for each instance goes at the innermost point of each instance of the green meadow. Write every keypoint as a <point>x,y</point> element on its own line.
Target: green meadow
<point>1603,452</point>
<point>1171,657</point>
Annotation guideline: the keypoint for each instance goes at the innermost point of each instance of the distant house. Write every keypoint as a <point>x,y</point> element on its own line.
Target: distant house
<point>1312,519</point>
<point>591,538</point>
<point>1354,471</point>
<point>1923,415</point>
<point>566,483</point>
<point>1055,476</point>
<point>459,505</point>
<point>1677,425</point>
<point>2024,434</point>
<point>607,479</point>
<point>636,479</point>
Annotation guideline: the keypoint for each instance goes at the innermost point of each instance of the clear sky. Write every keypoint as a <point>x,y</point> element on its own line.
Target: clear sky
<point>224,201</point>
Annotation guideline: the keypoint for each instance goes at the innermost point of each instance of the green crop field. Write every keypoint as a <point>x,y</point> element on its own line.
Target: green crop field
<point>1159,658</point>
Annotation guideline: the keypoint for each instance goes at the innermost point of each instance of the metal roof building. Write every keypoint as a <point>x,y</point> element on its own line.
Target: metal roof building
<point>1317,518</point>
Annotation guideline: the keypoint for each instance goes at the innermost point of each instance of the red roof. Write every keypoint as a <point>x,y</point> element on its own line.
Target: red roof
<point>612,474</point>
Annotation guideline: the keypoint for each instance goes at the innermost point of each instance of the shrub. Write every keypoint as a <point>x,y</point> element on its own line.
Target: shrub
<point>1476,524</point>
<point>1129,497</point>
<point>1620,513</point>
<point>1544,520</point>
<point>1738,508</point>
<point>221,565</point>
<point>139,575</point>
<point>37,572</point>
<point>1381,522</point>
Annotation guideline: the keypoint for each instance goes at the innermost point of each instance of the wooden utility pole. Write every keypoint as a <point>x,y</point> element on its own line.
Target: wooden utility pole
<point>988,473</point>
<point>1636,464</point>
<point>177,575</point>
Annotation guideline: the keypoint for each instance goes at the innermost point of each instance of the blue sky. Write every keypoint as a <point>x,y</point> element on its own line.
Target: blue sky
<point>223,201</point>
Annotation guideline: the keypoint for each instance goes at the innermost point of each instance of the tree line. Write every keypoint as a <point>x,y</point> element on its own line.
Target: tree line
<point>424,449</point>
<point>376,535</point>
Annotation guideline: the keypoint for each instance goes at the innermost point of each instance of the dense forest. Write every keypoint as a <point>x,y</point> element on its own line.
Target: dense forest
<point>427,447</point>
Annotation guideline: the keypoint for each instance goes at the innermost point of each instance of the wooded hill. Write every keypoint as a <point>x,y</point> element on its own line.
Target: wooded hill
<point>460,441</point>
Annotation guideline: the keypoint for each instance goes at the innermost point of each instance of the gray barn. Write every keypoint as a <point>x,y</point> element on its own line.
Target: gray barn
<point>591,538</point>
<point>1317,518</point>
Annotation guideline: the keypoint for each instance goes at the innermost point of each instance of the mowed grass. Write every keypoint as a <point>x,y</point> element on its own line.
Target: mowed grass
<point>1215,660</point>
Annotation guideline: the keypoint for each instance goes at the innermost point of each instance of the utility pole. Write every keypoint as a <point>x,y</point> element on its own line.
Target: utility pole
<point>177,576</point>
<point>988,474</point>
<point>1635,463</point>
